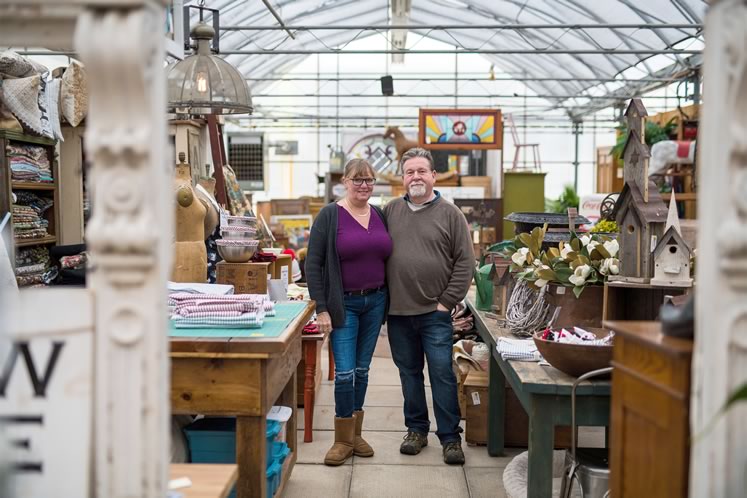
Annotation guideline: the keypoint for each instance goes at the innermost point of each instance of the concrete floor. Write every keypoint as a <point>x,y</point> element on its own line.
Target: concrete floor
<point>389,473</point>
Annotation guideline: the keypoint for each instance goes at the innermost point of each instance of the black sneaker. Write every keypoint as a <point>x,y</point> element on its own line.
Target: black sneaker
<point>453,454</point>
<point>413,443</point>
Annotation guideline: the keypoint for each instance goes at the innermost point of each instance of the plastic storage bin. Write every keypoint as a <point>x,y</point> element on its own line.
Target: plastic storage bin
<point>213,440</point>
<point>281,414</point>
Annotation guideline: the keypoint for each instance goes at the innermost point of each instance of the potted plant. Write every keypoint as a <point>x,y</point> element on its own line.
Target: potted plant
<point>582,265</point>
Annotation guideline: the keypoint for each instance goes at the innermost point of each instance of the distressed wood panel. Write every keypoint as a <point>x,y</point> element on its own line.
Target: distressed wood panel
<point>217,386</point>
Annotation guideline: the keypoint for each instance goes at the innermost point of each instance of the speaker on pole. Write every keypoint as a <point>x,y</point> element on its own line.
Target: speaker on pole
<point>387,85</point>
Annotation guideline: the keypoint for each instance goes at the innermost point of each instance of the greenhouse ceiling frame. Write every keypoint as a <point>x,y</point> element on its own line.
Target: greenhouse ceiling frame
<point>562,48</point>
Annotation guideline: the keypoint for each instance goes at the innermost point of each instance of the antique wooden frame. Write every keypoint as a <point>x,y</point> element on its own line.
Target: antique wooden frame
<point>122,313</point>
<point>497,142</point>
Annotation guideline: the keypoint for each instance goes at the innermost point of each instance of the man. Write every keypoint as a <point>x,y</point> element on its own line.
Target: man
<point>428,273</point>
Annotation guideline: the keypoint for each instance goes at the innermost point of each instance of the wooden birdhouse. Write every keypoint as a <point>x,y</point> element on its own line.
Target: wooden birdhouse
<point>502,286</point>
<point>635,115</point>
<point>635,161</point>
<point>672,254</point>
<point>641,226</point>
<point>639,211</point>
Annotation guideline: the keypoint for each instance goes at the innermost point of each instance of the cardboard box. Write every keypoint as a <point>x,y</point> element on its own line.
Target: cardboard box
<point>246,278</point>
<point>460,377</point>
<point>476,398</point>
<point>282,268</point>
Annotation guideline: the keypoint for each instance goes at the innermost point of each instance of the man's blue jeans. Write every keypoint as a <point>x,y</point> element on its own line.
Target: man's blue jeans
<point>411,338</point>
<point>353,346</point>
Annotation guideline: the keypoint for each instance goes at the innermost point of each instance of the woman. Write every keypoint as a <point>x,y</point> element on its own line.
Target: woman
<point>345,272</point>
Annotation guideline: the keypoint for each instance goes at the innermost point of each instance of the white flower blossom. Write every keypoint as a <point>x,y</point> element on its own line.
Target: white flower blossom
<point>580,274</point>
<point>567,249</point>
<point>591,245</point>
<point>585,239</point>
<point>612,247</point>
<point>541,282</point>
<point>610,266</point>
<point>520,256</point>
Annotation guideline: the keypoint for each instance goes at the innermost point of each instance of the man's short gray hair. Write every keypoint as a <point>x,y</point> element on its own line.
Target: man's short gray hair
<point>413,153</point>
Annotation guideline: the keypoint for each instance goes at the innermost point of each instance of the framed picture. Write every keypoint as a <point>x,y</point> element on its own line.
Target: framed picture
<point>297,229</point>
<point>482,212</point>
<point>460,129</point>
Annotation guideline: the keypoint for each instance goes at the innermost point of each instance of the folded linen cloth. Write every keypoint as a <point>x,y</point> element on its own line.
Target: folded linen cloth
<point>245,320</point>
<point>518,349</point>
<point>197,288</point>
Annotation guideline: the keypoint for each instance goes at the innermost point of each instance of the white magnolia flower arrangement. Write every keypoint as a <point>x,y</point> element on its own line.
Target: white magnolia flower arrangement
<point>585,260</point>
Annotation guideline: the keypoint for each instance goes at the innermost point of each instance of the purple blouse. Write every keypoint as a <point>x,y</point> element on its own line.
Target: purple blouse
<point>363,253</point>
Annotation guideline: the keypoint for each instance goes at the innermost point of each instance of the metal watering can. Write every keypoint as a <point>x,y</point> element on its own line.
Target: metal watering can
<point>484,281</point>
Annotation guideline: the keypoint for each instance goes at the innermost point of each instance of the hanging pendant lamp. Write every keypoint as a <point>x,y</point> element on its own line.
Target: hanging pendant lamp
<point>204,83</point>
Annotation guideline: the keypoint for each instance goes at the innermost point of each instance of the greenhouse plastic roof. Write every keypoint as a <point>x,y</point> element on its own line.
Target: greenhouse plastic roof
<point>565,93</point>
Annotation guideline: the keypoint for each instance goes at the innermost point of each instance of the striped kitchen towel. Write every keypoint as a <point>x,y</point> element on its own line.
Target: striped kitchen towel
<point>244,320</point>
<point>518,349</point>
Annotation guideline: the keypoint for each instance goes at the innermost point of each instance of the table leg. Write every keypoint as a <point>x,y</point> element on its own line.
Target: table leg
<point>309,358</point>
<point>541,434</point>
<point>331,375</point>
<point>496,409</point>
<point>251,457</point>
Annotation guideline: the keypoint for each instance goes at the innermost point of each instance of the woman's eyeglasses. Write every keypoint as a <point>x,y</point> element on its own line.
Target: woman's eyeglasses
<point>360,181</point>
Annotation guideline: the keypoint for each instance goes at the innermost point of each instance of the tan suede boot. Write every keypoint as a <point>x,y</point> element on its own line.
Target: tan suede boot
<point>344,437</point>
<point>360,447</point>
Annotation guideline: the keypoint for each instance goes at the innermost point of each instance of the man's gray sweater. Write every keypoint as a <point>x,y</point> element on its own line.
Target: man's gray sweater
<point>433,259</point>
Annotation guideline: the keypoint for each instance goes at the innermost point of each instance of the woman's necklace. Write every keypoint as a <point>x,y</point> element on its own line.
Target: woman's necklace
<point>350,209</point>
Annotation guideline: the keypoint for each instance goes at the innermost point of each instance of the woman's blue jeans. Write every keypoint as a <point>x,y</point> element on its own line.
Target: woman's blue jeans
<point>353,346</point>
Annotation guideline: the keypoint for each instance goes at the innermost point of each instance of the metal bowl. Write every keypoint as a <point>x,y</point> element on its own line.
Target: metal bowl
<point>238,233</point>
<point>235,253</point>
<point>245,221</point>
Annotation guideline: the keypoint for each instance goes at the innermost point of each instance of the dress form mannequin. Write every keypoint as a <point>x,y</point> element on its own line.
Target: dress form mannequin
<point>190,255</point>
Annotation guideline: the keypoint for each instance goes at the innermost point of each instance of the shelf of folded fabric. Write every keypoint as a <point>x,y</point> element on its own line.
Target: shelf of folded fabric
<point>32,186</point>
<point>22,137</point>
<point>49,239</point>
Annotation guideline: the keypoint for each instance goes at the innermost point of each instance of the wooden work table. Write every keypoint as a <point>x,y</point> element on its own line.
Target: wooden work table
<point>310,377</point>
<point>208,480</point>
<point>241,377</point>
<point>545,395</point>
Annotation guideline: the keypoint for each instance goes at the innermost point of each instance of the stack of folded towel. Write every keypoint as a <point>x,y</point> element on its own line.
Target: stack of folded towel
<point>191,310</point>
<point>28,215</point>
<point>29,163</point>
<point>518,349</point>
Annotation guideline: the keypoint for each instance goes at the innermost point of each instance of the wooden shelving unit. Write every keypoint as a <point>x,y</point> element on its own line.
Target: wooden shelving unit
<point>32,186</point>
<point>36,242</point>
<point>48,190</point>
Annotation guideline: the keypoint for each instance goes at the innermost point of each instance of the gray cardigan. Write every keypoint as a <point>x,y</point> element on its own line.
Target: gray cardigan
<point>323,275</point>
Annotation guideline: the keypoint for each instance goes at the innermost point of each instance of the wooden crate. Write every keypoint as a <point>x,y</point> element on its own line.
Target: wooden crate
<point>282,207</point>
<point>516,421</point>
<point>630,301</point>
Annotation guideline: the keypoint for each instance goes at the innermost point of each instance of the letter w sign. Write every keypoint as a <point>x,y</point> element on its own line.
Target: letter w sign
<point>46,384</point>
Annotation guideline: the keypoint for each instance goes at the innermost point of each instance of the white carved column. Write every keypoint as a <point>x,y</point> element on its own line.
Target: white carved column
<point>129,238</point>
<point>718,465</point>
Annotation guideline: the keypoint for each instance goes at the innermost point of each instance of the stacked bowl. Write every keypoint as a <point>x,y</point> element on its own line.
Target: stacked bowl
<point>238,241</point>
